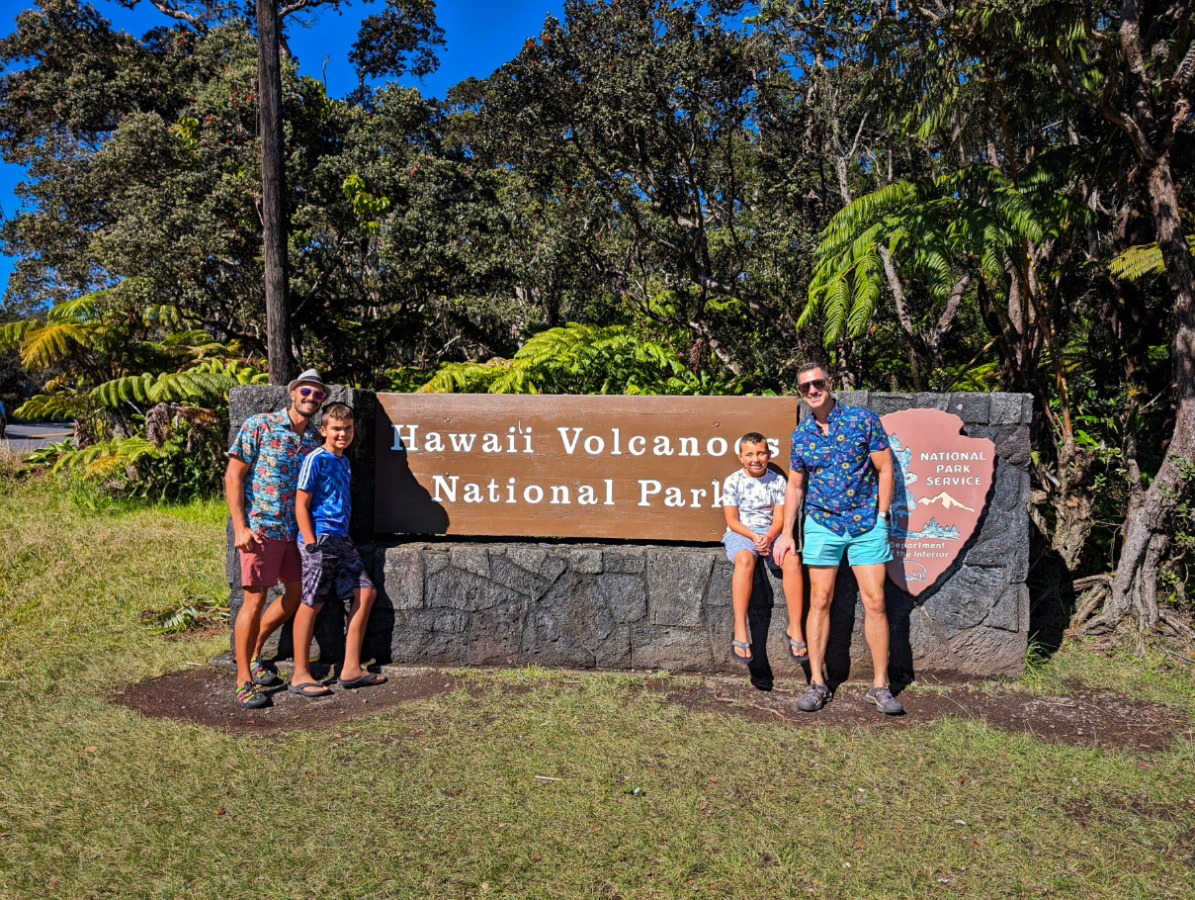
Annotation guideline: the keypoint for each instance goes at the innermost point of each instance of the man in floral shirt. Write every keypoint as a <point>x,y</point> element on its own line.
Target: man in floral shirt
<point>842,454</point>
<point>260,485</point>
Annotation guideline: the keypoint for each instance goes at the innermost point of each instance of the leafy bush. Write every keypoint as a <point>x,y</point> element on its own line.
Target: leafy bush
<point>582,359</point>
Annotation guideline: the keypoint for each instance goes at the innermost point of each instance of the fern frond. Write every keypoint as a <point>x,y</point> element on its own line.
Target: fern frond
<point>53,408</point>
<point>1142,261</point>
<point>44,347</point>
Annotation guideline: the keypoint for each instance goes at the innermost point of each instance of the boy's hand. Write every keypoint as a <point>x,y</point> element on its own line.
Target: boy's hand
<point>784,545</point>
<point>762,543</point>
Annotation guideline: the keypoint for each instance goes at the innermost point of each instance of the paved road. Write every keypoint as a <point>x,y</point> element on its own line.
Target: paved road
<point>30,436</point>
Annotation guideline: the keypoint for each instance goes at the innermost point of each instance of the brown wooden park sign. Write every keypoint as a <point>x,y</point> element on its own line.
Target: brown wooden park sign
<point>644,468</point>
<point>565,466</point>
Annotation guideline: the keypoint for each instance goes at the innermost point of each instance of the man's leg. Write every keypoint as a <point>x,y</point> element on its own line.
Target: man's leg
<point>875,622</point>
<point>245,629</point>
<point>817,627</point>
<point>304,630</point>
<point>740,597</point>
<point>794,595</point>
<point>277,614</point>
<point>355,635</point>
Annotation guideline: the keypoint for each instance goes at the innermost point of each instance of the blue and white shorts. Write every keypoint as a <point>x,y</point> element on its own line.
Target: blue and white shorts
<point>735,542</point>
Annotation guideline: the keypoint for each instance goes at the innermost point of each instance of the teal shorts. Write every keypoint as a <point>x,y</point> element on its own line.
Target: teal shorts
<point>824,548</point>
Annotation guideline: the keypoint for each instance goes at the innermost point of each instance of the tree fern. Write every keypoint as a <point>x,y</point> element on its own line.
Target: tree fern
<point>572,359</point>
<point>1141,261</point>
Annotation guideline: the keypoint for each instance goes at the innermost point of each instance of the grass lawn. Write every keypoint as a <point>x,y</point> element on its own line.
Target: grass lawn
<point>438,798</point>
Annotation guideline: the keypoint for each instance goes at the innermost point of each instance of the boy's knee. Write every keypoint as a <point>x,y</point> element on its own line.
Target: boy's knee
<point>744,558</point>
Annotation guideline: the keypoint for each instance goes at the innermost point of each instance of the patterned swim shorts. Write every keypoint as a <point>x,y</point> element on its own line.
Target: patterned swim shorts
<point>333,571</point>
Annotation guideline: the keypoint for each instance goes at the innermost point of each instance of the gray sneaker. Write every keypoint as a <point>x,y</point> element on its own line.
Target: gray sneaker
<point>814,698</point>
<point>883,700</point>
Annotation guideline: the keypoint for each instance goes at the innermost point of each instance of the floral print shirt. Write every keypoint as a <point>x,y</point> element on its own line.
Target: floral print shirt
<point>842,482</point>
<point>274,454</point>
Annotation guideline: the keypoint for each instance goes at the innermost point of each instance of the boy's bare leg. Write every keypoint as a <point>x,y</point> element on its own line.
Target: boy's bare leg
<point>794,595</point>
<point>244,630</point>
<point>875,621</point>
<point>821,593</point>
<point>277,613</point>
<point>355,634</point>
<point>303,632</point>
<point>740,596</point>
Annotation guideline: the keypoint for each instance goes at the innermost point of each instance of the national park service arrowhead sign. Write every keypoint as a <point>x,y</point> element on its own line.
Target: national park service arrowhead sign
<point>942,482</point>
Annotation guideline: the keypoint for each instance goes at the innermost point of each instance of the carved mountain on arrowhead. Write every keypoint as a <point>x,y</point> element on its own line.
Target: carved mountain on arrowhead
<point>946,500</point>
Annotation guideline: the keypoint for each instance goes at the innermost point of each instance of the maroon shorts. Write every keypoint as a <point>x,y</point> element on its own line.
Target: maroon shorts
<point>269,562</point>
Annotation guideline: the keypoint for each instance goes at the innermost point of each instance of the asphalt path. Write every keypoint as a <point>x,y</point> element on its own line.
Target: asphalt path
<point>29,436</point>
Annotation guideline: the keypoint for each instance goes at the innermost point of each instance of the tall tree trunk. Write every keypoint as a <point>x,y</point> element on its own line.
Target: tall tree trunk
<point>273,193</point>
<point>1133,598</point>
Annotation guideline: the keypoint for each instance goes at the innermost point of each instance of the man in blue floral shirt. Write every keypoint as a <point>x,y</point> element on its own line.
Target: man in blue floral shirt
<point>260,485</point>
<point>841,467</point>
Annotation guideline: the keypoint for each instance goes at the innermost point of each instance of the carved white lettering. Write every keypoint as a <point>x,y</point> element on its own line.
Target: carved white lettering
<point>448,486</point>
<point>569,446</point>
<point>648,487</point>
<point>407,441</point>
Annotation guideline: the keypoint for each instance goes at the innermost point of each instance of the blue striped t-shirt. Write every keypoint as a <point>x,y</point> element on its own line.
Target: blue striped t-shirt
<point>326,477</point>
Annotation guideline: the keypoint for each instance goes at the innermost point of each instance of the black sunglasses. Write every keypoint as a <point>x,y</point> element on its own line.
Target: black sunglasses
<point>311,392</point>
<point>818,384</point>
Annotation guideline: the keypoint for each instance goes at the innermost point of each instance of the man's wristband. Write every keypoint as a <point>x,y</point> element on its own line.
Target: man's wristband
<point>885,515</point>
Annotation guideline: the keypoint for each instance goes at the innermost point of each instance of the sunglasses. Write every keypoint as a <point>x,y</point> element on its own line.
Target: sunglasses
<point>311,392</point>
<point>816,384</point>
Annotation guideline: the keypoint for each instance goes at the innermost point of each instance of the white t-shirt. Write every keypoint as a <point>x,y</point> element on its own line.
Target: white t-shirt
<point>754,497</point>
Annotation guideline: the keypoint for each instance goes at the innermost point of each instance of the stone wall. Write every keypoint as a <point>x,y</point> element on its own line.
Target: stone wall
<point>616,606</point>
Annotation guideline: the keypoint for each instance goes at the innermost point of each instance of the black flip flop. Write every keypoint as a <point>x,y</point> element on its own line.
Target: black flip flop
<point>742,645</point>
<point>793,644</point>
<point>369,679</point>
<point>298,689</point>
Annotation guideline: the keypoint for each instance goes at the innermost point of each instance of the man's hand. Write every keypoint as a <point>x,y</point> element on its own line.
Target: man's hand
<point>243,538</point>
<point>784,545</point>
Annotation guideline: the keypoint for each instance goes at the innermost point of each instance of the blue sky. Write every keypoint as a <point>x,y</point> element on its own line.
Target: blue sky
<point>480,37</point>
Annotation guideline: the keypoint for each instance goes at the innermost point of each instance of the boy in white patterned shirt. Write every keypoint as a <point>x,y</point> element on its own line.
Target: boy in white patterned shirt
<point>753,503</point>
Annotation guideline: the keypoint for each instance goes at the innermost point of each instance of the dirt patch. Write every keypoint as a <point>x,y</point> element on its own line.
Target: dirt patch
<point>206,695</point>
<point>1086,718</point>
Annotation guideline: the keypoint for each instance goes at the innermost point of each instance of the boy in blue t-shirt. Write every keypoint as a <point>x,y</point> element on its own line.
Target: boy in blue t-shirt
<point>331,564</point>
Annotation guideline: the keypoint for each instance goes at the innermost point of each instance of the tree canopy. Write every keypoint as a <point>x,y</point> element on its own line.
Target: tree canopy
<point>655,196</point>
